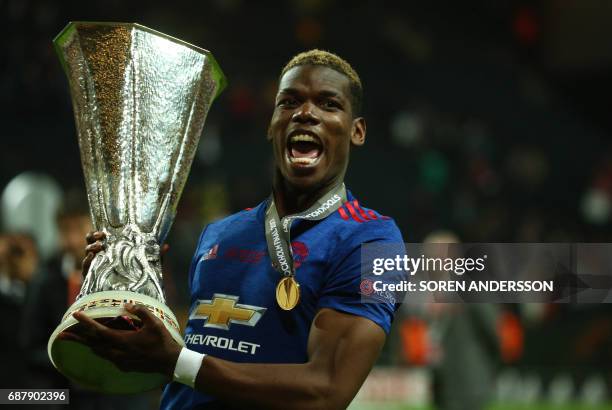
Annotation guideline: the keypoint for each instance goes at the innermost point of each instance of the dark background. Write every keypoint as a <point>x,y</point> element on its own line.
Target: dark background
<point>486,118</point>
<point>483,117</point>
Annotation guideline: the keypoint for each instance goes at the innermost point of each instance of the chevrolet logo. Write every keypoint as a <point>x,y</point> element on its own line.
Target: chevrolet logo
<point>223,310</point>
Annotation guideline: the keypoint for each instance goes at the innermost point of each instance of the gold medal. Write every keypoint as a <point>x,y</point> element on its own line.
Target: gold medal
<point>287,293</point>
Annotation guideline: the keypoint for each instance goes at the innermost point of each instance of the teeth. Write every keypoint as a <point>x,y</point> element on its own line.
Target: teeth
<point>304,137</point>
<point>305,161</point>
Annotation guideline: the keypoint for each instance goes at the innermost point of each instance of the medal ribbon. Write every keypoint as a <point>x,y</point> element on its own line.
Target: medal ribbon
<point>278,231</point>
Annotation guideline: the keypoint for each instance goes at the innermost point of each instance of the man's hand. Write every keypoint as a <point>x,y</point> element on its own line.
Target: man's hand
<point>150,348</point>
<point>96,242</point>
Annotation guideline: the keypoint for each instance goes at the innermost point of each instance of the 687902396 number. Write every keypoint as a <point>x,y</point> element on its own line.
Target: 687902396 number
<point>55,396</point>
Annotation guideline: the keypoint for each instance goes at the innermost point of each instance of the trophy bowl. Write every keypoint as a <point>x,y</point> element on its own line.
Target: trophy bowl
<point>140,99</point>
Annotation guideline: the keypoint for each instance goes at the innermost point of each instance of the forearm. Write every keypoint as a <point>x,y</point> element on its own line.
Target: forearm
<point>269,386</point>
<point>342,349</point>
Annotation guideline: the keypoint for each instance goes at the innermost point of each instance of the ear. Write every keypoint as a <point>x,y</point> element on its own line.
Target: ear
<point>268,134</point>
<point>358,133</point>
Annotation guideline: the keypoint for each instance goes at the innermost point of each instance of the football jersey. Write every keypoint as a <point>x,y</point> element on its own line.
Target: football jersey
<point>234,314</point>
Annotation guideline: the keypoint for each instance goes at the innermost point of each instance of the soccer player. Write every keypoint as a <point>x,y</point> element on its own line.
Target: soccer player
<point>276,318</point>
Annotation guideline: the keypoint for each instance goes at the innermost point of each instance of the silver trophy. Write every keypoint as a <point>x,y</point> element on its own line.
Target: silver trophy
<point>140,100</point>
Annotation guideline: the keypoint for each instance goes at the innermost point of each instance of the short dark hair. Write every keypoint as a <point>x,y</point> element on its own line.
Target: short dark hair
<point>74,204</point>
<point>331,60</point>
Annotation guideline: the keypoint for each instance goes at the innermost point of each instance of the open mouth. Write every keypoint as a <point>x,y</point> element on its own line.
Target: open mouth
<point>304,149</point>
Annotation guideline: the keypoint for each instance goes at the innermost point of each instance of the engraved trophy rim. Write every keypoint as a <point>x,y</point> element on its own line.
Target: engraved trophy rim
<point>72,26</point>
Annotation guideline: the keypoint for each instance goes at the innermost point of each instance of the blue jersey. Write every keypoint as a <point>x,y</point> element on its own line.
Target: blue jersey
<point>234,314</point>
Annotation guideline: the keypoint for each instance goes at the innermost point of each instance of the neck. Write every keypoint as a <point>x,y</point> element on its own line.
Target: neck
<point>291,200</point>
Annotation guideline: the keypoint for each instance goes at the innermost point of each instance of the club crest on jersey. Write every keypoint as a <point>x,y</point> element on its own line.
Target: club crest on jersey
<point>300,252</point>
<point>223,310</point>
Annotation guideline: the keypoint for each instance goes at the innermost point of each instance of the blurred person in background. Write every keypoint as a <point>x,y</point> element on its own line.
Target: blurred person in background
<point>18,262</point>
<point>54,289</point>
<point>466,352</point>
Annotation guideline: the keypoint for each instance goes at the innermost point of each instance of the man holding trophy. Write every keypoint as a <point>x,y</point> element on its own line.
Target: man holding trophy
<point>284,330</point>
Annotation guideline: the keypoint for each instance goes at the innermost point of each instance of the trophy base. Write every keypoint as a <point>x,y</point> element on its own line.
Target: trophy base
<point>81,365</point>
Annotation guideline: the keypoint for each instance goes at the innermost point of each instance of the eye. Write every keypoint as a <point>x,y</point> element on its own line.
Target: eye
<point>332,104</point>
<point>286,102</point>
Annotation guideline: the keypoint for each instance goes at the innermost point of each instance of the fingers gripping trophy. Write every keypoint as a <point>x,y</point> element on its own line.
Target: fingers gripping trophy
<point>140,99</point>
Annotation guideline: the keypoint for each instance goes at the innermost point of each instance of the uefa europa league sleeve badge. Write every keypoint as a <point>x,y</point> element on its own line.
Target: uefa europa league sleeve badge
<point>140,99</point>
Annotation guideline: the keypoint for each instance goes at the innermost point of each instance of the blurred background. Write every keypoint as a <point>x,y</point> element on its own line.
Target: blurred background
<point>488,121</point>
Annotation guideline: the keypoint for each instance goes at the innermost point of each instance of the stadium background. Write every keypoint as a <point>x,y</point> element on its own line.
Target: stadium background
<point>487,119</point>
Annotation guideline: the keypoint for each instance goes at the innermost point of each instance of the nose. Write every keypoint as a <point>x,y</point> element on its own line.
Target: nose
<point>305,114</point>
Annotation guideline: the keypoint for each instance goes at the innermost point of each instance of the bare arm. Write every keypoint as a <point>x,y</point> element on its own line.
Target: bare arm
<point>342,349</point>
